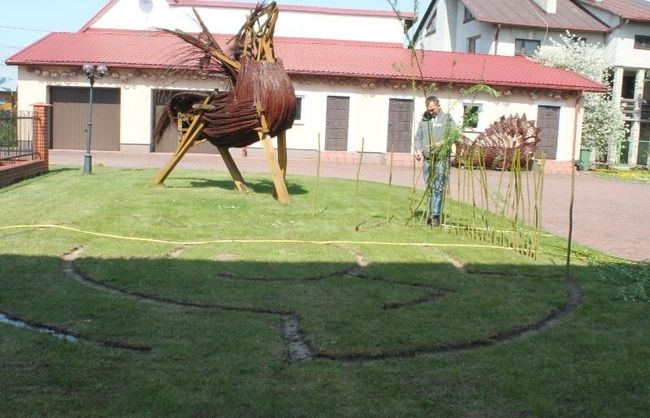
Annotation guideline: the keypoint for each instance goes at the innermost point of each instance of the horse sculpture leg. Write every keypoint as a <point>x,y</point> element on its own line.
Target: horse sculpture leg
<point>278,179</point>
<point>186,143</point>
<point>232,169</point>
<point>282,153</point>
<point>281,192</point>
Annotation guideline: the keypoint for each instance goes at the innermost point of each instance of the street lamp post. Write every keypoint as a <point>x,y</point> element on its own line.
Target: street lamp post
<point>93,73</point>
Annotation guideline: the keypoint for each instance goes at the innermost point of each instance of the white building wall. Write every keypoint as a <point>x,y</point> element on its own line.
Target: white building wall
<point>291,23</point>
<point>608,18</point>
<point>620,47</point>
<point>368,117</point>
<point>135,117</point>
<point>484,45</point>
<point>442,39</point>
<point>508,35</point>
<point>32,90</point>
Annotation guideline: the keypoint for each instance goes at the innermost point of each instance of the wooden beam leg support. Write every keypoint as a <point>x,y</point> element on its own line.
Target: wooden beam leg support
<point>274,167</point>
<point>282,153</point>
<point>232,169</point>
<point>281,192</point>
<point>186,143</point>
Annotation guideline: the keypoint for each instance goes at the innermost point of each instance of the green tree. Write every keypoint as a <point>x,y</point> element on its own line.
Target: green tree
<point>7,124</point>
<point>603,127</point>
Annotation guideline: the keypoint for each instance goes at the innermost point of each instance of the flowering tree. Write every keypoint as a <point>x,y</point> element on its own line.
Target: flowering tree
<point>603,127</point>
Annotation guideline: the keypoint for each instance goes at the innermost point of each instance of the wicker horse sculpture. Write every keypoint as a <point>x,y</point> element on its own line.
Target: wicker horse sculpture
<point>261,104</point>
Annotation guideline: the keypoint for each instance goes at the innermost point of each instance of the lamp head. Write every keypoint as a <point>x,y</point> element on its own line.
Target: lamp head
<point>88,69</point>
<point>95,72</point>
<point>102,70</point>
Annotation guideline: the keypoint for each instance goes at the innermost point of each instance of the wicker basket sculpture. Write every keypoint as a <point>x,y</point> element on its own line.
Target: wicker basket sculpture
<point>505,141</point>
<point>262,103</point>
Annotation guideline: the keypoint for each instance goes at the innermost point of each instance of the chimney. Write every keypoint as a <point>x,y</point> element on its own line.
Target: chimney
<point>549,6</point>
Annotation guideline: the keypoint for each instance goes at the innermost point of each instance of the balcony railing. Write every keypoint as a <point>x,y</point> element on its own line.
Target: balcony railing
<point>628,107</point>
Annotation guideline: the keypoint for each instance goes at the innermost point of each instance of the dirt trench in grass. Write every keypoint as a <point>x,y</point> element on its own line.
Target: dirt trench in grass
<point>297,345</point>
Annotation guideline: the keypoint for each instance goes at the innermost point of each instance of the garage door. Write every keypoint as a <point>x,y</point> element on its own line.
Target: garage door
<point>70,118</point>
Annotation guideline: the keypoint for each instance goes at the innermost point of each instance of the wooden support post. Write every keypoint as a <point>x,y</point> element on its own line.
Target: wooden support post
<point>232,169</point>
<point>281,191</point>
<point>282,153</point>
<point>278,180</point>
<point>187,141</point>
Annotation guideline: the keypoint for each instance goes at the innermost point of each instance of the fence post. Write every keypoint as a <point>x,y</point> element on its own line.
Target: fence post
<point>41,129</point>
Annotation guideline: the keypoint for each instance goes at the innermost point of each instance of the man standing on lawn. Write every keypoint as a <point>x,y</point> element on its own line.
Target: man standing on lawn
<point>433,140</point>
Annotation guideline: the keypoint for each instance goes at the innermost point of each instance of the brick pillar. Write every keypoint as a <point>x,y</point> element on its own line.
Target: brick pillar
<point>41,129</point>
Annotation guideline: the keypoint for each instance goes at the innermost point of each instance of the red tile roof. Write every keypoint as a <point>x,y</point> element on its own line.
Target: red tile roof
<point>568,16</point>
<point>626,9</point>
<point>146,49</point>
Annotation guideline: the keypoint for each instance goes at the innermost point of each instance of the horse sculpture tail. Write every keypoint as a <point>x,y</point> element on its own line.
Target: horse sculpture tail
<point>162,124</point>
<point>181,102</point>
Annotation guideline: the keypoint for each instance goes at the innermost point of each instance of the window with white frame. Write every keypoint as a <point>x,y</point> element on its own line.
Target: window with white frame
<point>526,46</point>
<point>471,113</point>
<point>472,43</point>
<point>298,117</point>
<point>641,42</point>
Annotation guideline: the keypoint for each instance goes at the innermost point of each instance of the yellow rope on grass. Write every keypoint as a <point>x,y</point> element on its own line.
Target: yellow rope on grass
<point>251,241</point>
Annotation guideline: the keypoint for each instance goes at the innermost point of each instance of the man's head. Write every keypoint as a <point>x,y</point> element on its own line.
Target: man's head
<point>433,105</point>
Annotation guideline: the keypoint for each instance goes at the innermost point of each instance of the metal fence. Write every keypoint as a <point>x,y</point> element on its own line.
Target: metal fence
<point>16,135</point>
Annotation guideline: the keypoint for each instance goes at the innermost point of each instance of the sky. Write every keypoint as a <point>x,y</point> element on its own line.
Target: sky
<point>26,21</point>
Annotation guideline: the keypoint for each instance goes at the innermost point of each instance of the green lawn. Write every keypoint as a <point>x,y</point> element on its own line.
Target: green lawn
<point>634,175</point>
<point>191,299</point>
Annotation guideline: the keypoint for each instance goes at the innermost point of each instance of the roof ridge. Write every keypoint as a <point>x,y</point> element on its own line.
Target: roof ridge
<point>292,7</point>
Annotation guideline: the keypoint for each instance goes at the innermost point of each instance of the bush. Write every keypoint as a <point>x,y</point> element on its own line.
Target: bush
<point>7,130</point>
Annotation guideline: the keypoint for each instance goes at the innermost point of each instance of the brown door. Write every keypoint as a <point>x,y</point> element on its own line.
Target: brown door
<point>548,120</point>
<point>336,127</point>
<point>400,124</point>
<point>70,118</point>
<point>170,139</point>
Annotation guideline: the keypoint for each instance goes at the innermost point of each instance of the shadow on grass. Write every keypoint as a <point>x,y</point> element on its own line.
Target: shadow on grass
<point>259,186</point>
<point>355,311</point>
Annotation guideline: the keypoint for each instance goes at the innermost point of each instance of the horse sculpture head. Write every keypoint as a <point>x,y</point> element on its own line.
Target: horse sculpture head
<point>255,38</point>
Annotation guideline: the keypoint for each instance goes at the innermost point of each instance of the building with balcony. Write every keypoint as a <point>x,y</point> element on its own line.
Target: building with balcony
<point>519,27</point>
